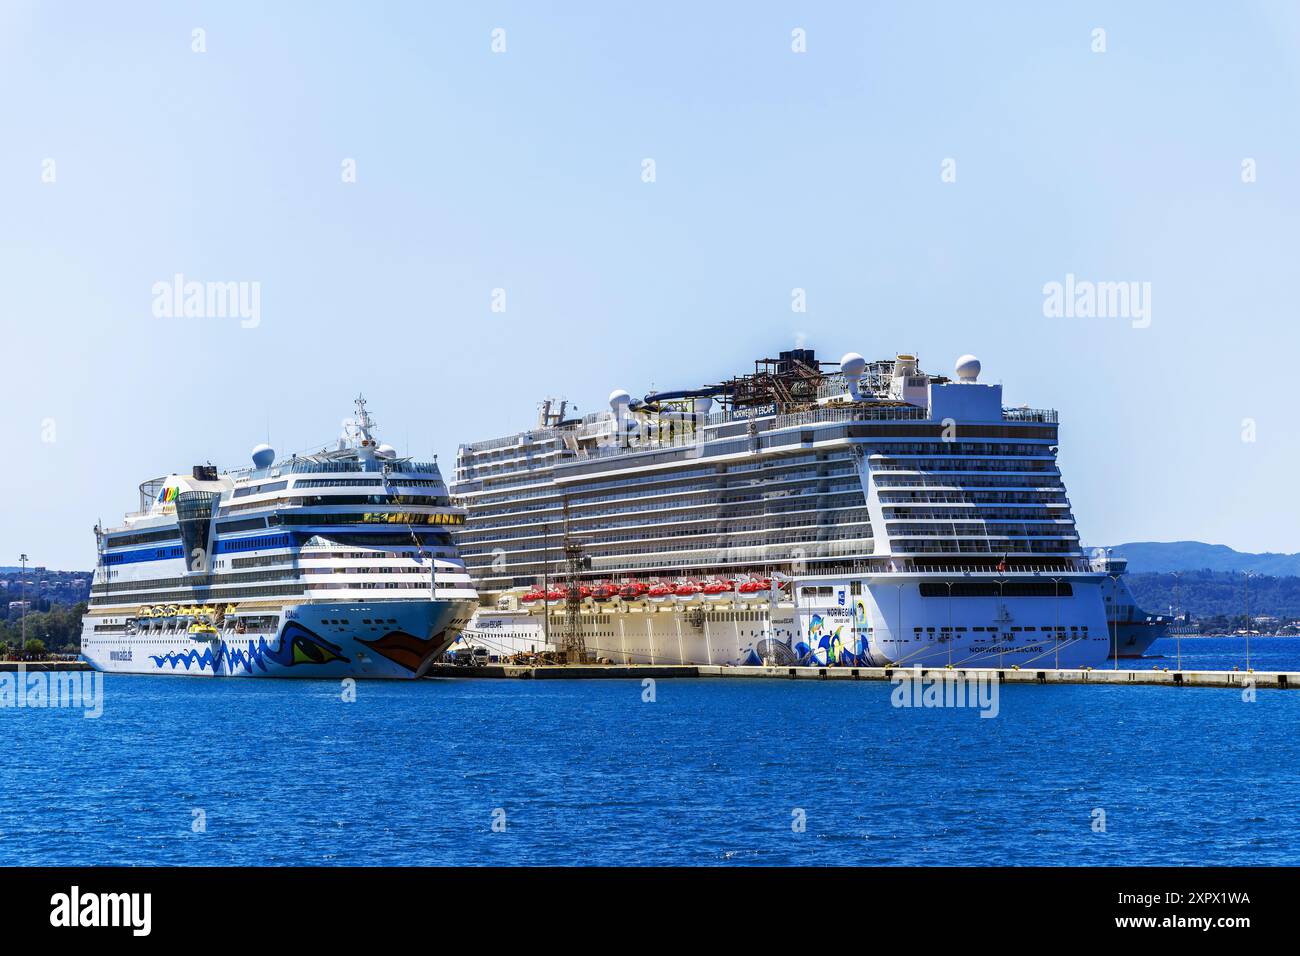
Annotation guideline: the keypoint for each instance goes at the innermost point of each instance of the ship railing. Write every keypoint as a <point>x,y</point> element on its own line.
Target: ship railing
<point>508,441</point>
<point>865,411</point>
<point>305,467</point>
<point>1045,415</point>
<point>910,567</point>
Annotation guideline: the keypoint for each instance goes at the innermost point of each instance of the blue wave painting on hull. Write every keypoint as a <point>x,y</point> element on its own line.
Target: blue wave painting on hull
<point>297,645</point>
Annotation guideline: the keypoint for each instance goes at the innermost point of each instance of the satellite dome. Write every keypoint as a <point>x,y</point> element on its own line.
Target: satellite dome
<point>968,368</point>
<point>385,451</point>
<point>852,364</point>
<point>618,397</point>
<point>263,456</point>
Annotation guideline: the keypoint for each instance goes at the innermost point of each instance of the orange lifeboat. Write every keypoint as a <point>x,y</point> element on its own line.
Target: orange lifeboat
<point>660,592</point>
<point>633,591</point>
<point>716,590</point>
<point>687,592</point>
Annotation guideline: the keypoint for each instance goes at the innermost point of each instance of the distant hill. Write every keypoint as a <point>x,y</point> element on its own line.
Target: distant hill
<point>1217,594</point>
<point>1151,556</point>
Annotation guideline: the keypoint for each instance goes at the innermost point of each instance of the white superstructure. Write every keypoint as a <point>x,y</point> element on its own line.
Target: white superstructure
<point>861,512</point>
<point>334,564</point>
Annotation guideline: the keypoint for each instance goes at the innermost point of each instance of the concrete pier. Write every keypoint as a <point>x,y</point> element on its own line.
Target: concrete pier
<point>1163,678</point>
<point>33,667</point>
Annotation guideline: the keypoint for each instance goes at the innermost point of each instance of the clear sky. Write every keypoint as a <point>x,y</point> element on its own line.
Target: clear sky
<point>523,171</point>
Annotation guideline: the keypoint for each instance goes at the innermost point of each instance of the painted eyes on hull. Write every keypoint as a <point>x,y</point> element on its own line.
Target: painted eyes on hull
<point>308,652</point>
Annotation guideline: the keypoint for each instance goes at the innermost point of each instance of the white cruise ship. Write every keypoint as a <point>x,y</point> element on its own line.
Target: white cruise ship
<point>817,513</point>
<point>337,564</point>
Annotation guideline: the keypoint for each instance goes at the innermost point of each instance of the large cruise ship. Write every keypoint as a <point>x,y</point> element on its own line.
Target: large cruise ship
<point>337,564</point>
<point>809,512</point>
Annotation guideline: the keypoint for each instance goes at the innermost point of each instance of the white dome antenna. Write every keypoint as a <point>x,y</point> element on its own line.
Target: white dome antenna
<point>852,365</point>
<point>968,369</point>
<point>263,456</point>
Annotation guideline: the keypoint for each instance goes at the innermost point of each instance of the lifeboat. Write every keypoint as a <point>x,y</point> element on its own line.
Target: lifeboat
<point>633,591</point>
<point>754,585</point>
<point>716,590</point>
<point>603,592</point>
<point>687,593</point>
<point>557,594</point>
<point>533,596</point>
<point>203,632</point>
<point>584,592</point>
<point>660,593</point>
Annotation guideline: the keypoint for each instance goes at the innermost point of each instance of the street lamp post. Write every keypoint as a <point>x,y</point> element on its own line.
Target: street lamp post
<point>1179,633</point>
<point>950,631</point>
<point>1056,636</point>
<point>1002,613</point>
<point>1113,611</point>
<point>1248,575</point>
<point>22,605</point>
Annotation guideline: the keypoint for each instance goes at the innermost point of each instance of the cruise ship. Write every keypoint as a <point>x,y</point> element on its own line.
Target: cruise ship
<point>329,565</point>
<point>828,513</point>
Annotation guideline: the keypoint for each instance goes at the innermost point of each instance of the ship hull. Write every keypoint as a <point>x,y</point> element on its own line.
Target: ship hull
<point>881,624</point>
<point>357,639</point>
<point>1135,640</point>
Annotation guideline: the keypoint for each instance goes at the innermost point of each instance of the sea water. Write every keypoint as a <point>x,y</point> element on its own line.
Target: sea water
<point>711,771</point>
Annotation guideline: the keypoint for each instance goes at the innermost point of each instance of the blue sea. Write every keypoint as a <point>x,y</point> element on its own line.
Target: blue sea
<point>711,772</point>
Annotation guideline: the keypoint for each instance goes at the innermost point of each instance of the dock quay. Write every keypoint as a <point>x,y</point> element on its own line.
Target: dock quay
<point>1282,680</point>
<point>33,667</point>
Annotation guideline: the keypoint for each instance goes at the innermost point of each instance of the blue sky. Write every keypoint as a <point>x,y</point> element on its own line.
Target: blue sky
<point>522,171</point>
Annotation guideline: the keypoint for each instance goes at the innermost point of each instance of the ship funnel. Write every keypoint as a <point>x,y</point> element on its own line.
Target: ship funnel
<point>968,368</point>
<point>852,366</point>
